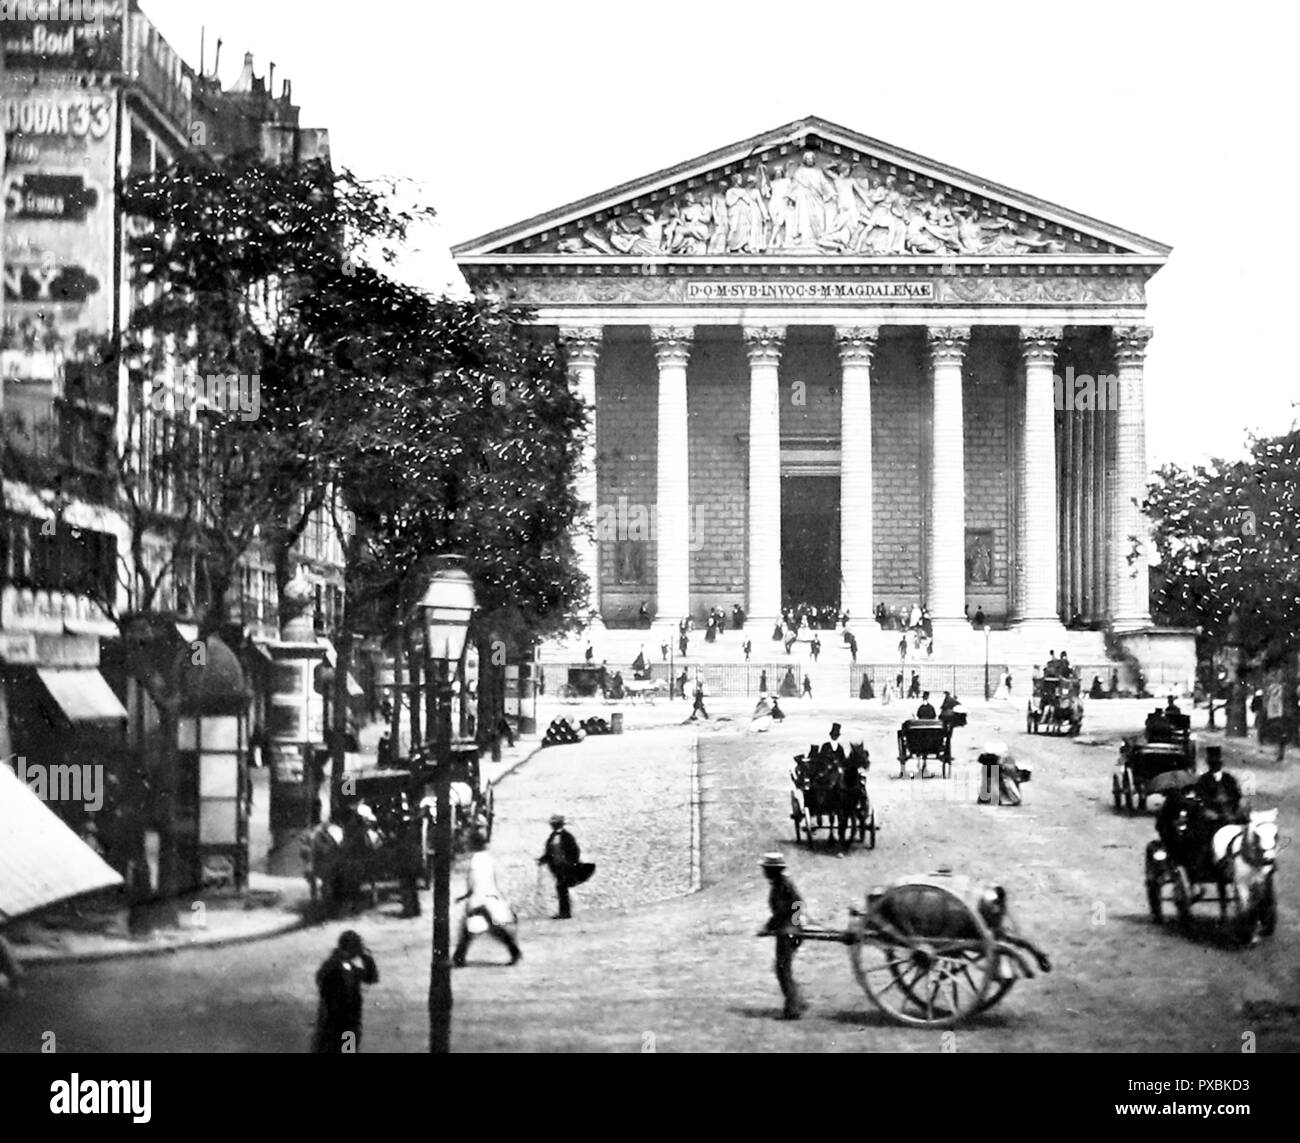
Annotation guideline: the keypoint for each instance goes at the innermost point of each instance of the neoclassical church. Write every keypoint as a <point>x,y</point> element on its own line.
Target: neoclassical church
<point>825,369</point>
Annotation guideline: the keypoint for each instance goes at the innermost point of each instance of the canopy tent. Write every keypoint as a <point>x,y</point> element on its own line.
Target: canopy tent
<point>41,860</point>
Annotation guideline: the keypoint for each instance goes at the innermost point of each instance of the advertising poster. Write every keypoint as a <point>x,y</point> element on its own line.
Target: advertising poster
<point>58,188</point>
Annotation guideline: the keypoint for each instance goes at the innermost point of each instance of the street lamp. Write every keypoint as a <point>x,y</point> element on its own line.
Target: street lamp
<point>446,609</point>
<point>987,693</point>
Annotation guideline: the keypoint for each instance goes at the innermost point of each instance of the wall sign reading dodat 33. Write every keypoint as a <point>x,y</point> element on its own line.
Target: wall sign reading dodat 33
<point>819,291</point>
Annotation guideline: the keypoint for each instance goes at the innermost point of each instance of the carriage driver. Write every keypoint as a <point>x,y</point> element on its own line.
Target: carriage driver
<point>832,745</point>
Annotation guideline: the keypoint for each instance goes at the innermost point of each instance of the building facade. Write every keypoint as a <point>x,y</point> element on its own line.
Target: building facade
<point>89,103</point>
<point>826,370</point>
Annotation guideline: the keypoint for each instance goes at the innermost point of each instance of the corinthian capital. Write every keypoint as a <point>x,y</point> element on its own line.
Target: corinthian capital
<point>1131,344</point>
<point>582,344</point>
<point>672,344</point>
<point>763,343</point>
<point>856,343</point>
<point>1039,344</point>
<point>948,344</point>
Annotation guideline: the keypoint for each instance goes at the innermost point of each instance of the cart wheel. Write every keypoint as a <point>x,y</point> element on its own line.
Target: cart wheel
<point>1128,792</point>
<point>1268,908</point>
<point>1000,987</point>
<point>922,981</point>
<point>1116,791</point>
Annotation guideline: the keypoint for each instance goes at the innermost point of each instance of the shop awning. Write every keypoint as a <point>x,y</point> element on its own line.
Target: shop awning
<point>41,860</point>
<point>82,695</point>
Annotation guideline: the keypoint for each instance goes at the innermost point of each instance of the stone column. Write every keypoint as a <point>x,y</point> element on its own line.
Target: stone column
<point>764,525</point>
<point>673,498</point>
<point>583,347</point>
<point>856,345</point>
<point>1129,607</point>
<point>1037,476</point>
<point>946,590</point>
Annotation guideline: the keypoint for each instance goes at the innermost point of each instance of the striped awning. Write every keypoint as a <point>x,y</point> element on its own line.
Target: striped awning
<point>42,861</point>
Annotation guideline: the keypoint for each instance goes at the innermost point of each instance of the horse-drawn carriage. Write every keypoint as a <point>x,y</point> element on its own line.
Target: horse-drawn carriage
<point>830,793</point>
<point>934,949</point>
<point>925,738</point>
<point>1056,706</point>
<point>1146,768</point>
<point>383,836</point>
<point>1199,857</point>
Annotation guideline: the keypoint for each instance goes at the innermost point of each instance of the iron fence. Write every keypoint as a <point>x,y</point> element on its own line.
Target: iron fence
<point>721,680</point>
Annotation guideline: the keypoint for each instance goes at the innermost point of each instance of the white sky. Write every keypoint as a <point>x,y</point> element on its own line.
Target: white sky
<point>1168,119</point>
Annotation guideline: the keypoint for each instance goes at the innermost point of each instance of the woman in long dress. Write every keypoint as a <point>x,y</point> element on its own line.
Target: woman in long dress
<point>1003,693</point>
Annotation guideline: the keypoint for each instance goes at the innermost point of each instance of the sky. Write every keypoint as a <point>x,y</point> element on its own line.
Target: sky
<point>1167,119</point>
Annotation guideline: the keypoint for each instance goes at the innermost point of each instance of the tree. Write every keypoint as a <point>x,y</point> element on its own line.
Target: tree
<point>1228,535</point>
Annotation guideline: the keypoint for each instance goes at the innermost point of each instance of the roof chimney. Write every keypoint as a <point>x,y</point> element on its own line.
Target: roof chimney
<point>246,78</point>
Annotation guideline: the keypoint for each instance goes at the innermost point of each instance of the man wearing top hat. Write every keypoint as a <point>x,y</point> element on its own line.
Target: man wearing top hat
<point>786,924</point>
<point>564,859</point>
<point>833,745</point>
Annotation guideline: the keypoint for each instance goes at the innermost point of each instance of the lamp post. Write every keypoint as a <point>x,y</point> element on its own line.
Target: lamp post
<point>446,609</point>
<point>987,693</point>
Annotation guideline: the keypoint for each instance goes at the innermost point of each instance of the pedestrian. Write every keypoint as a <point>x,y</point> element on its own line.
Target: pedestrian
<point>589,654</point>
<point>853,647</point>
<point>866,691</point>
<point>747,648</point>
<point>807,687</point>
<point>698,708</point>
<point>339,981</point>
<point>815,647</point>
<point>643,612</point>
<point>485,909</point>
<point>563,857</point>
<point>786,924</point>
<point>681,683</point>
<point>682,643</point>
<point>778,715</point>
<point>410,863</point>
<point>663,651</point>
<point>762,682</point>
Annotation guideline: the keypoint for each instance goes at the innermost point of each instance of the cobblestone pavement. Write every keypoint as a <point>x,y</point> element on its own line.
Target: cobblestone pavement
<point>688,973</point>
<point>627,801</point>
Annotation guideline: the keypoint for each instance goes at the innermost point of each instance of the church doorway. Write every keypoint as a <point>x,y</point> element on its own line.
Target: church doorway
<point>810,540</point>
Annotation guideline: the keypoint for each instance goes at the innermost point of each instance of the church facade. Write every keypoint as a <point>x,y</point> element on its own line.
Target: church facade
<point>829,371</point>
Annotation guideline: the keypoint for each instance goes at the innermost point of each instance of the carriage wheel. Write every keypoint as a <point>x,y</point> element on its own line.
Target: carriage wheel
<point>920,981</point>
<point>1182,897</point>
<point>489,811</point>
<point>1116,791</point>
<point>796,815</point>
<point>871,829</point>
<point>1128,792</point>
<point>1268,908</point>
<point>1155,885</point>
<point>1029,721</point>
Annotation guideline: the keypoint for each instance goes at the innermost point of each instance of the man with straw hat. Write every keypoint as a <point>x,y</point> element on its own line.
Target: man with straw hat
<point>785,924</point>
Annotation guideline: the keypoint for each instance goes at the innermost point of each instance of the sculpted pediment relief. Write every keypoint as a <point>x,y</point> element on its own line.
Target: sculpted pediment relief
<point>817,205</point>
<point>809,189</point>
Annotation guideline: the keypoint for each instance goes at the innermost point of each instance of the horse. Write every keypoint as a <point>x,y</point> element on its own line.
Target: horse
<point>836,791</point>
<point>1244,857</point>
<point>340,859</point>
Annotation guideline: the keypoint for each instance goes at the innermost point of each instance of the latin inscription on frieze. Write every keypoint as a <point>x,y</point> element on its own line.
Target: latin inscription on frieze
<point>823,291</point>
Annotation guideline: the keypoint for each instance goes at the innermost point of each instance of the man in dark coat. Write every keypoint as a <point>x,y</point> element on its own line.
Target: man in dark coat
<point>926,709</point>
<point>563,857</point>
<point>786,923</point>
<point>339,979</point>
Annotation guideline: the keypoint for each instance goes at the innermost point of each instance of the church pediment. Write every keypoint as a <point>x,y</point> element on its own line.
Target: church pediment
<point>808,190</point>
